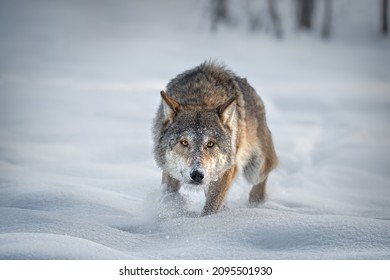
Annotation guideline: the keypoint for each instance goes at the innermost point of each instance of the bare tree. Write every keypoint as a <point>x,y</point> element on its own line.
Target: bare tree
<point>219,13</point>
<point>326,26</point>
<point>273,12</point>
<point>305,10</point>
<point>384,16</point>
<point>265,16</point>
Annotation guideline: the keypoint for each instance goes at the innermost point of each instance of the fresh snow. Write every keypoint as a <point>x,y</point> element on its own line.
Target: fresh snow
<point>79,87</point>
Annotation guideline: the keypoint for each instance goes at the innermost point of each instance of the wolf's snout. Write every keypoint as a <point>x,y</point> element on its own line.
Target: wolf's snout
<point>197,175</point>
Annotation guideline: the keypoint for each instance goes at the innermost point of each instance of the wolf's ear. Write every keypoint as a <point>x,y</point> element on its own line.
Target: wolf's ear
<point>170,107</point>
<point>227,111</point>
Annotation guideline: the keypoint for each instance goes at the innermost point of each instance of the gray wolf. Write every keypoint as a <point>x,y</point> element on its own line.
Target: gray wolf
<point>210,126</point>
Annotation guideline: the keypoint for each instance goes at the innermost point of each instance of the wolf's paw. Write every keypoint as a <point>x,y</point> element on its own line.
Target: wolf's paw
<point>171,205</point>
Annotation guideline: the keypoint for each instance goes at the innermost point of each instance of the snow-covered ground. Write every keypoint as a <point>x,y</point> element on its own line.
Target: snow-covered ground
<point>79,87</point>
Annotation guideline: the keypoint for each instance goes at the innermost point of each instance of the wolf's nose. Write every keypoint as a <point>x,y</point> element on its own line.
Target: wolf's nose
<point>197,176</point>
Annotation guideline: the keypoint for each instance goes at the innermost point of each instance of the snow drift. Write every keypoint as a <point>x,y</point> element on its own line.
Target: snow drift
<point>79,86</point>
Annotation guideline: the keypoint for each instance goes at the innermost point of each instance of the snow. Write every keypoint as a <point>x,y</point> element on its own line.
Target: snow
<point>79,87</point>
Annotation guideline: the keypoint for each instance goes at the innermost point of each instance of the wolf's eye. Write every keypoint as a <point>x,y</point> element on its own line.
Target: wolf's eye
<point>184,143</point>
<point>210,144</point>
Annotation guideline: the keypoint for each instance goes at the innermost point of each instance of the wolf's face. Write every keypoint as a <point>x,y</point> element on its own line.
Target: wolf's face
<point>197,144</point>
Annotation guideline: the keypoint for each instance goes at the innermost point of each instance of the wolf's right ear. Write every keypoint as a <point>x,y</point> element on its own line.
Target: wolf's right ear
<point>227,111</point>
<point>170,107</point>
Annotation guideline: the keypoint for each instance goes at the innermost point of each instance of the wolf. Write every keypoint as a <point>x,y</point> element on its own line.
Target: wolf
<point>209,127</point>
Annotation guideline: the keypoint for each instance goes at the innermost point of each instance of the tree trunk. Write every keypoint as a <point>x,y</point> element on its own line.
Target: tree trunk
<point>219,13</point>
<point>327,19</point>
<point>305,13</point>
<point>384,16</point>
<point>277,26</point>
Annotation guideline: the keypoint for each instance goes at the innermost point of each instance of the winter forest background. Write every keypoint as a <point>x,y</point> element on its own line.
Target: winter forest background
<point>79,87</point>
<point>321,16</point>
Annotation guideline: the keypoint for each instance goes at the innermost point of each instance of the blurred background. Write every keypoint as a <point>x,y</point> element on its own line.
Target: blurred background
<point>79,87</point>
<point>80,39</point>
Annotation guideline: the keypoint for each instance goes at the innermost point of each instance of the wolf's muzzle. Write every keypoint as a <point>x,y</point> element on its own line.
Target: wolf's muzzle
<point>197,176</point>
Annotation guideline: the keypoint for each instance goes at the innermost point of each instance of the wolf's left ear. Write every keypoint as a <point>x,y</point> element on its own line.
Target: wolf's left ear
<point>227,111</point>
<point>170,107</point>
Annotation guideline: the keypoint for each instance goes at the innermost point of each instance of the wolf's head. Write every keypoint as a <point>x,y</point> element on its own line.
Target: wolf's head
<point>196,144</point>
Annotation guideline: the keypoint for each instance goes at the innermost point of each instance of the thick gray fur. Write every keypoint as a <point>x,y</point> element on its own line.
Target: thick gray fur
<point>211,106</point>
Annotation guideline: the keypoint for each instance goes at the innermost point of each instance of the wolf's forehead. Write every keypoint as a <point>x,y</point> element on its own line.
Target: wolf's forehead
<point>199,124</point>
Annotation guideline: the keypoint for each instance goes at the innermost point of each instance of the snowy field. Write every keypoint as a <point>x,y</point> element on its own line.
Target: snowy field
<point>79,87</point>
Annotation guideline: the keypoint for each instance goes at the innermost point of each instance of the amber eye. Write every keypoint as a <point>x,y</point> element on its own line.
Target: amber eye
<point>184,143</point>
<point>210,144</point>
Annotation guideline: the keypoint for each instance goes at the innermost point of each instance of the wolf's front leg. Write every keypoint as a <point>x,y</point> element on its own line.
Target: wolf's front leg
<point>217,192</point>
